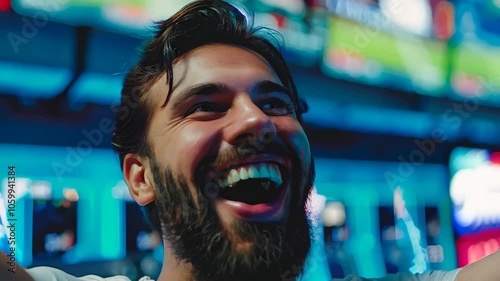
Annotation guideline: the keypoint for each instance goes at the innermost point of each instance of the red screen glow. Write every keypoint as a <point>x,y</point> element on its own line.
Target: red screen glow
<point>495,158</point>
<point>4,5</point>
<point>473,247</point>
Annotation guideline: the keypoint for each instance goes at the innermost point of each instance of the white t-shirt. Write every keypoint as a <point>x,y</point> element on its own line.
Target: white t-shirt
<point>45,273</point>
<point>437,275</point>
<point>53,274</point>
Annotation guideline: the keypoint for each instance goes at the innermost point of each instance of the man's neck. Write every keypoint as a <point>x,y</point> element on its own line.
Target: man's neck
<point>172,269</point>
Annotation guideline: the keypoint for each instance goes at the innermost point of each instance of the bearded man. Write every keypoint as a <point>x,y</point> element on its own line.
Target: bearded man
<point>210,139</point>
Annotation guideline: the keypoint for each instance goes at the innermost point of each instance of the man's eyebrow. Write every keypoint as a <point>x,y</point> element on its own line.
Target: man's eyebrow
<point>199,90</point>
<point>267,86</point>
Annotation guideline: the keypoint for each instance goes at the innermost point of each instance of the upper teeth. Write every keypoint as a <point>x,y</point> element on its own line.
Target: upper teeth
<point>268,171</point>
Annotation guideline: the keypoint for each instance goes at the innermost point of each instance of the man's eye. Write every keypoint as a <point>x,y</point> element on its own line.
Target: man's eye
<point>277,107</point>
<point>204,107</point>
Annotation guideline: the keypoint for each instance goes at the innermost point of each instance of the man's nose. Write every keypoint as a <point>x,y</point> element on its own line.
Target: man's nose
<point>249,124</point>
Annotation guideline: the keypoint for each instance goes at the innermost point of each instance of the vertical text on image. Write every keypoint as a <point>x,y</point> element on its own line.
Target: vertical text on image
<point>11,217</point>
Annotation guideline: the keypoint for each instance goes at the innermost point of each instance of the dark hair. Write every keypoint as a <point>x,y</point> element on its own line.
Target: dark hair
<point>198,23</point>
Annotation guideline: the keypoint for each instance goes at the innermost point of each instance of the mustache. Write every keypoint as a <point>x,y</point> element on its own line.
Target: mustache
<point>245,151</point>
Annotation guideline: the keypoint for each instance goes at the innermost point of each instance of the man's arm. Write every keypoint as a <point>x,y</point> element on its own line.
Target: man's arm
<point>19,273</point>
<point>486,269</point>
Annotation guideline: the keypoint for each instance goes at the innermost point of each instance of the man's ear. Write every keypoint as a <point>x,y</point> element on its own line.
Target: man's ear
<point>139,179</point>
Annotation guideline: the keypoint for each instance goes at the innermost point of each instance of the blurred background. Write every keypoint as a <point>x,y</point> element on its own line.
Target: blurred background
<point>404,125</point>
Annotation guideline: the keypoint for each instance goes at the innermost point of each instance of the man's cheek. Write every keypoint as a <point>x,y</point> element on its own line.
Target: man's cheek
<point>294,133</point>
<point>303,149</point>
<point>193,147</point>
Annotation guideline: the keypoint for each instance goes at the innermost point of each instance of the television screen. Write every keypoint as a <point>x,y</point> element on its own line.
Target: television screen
<point>285,7</point>
<point>474,189</point>
<point>475,193</point>
<point>389,44</point>
<point>54,227</point>
<point>302,24</point>
<point>476,52</point>
<point>290,8</point>
<point>127,16</point>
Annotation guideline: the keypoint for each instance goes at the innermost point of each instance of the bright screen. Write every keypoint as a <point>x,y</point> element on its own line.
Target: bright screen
<point>476,51</point>
<point>389,43</point>
<point>475,189</point>
<point>127,16</point>
<point>475,193</point>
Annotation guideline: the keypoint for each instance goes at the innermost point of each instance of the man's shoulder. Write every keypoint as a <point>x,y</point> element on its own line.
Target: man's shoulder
<point>44,273</point>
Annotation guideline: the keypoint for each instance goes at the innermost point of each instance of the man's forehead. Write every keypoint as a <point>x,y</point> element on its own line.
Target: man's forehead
<point>205,60</point>
<point>204,63</point>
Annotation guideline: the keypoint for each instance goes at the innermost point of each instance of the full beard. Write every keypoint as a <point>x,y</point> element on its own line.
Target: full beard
<point>192,227</point>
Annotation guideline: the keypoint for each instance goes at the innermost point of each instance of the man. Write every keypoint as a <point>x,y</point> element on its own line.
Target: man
<point>216,152</point>
<point>210,141</point>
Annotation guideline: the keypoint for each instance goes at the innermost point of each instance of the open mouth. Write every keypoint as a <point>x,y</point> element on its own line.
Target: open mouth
<point>256,183</point>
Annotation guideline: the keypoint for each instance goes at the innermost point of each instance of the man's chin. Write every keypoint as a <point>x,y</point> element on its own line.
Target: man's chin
<point>251,242</point>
